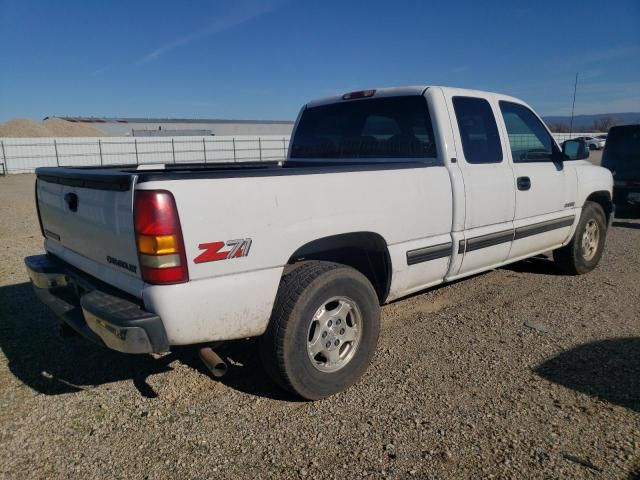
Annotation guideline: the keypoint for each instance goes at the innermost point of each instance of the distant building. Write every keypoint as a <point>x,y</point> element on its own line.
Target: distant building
<point>147,127</point>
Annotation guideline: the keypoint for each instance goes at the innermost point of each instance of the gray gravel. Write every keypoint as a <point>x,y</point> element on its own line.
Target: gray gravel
<point>517,373</point>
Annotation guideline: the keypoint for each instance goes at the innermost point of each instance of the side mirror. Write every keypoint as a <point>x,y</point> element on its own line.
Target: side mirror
<point>575,149</point>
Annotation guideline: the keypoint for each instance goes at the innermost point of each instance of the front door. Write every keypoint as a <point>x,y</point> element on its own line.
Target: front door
<point>545,186</point>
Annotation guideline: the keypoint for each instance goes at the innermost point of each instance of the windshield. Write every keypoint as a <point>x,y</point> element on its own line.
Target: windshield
<point>389,127</point>
<point>622,151</point>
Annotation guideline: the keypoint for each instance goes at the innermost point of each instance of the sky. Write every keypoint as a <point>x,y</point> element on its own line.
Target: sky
<point>249,59</point>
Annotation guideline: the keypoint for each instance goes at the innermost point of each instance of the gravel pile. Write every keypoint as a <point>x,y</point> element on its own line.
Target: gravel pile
<point>63,128</point>
<point>518,373</point>
<point>51,127</point>
<point>21,127</point>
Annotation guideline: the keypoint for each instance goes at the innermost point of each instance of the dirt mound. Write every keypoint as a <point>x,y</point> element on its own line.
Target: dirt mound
<point>21,127</point>
<point>51,127</point>
<point>63,128</point>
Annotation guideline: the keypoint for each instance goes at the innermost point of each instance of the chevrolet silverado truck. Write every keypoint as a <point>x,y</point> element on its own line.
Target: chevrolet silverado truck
<point>383,193</point>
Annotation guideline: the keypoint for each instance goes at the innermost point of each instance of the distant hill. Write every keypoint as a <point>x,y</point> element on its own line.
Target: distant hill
<point>585,122</point>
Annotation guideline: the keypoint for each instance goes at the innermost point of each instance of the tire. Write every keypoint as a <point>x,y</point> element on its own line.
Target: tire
<point>592,147</point>
<point>316,299</point>
<point>576,258</point>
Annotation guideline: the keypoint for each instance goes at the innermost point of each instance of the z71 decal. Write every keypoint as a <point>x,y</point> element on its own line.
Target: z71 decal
<point>214,251</point>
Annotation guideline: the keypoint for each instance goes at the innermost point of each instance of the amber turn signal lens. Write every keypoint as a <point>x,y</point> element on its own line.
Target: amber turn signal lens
<point>157,244</point>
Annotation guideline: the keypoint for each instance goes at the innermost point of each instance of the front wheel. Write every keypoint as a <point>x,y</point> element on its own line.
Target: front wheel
<point>582,254</point>
<point>323,330</point>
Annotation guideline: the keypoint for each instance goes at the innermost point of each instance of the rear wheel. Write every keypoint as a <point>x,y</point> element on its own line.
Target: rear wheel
<point>582,254</point>
<point>323,330</point>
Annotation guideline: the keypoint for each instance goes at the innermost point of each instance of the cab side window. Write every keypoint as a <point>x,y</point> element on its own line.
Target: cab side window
<point>478,130</point>
<point>529,139</point>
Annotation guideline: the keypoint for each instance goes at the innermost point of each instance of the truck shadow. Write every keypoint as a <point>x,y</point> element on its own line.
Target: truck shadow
<point>40,357</point>
<point>540,264</point>
<point>245,370</point>
<point>607,369</point>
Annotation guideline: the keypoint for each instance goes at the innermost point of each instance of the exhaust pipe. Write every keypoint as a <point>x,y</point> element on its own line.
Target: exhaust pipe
<point>213,362</point>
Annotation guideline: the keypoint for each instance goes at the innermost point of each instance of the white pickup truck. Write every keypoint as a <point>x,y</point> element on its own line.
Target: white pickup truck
<point>383,193</point>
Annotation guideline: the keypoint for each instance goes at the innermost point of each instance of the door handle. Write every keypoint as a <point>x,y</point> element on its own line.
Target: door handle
<point>72,201</point>
<point>524,183</point>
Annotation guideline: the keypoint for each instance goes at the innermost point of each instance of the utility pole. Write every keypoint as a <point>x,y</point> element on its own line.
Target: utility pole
<point>575,87</point>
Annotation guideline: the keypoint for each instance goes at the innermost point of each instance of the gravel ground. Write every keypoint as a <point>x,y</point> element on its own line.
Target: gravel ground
<point>517,373</point>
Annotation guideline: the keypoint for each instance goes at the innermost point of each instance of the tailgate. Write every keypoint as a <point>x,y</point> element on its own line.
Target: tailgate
<point>90,213</point>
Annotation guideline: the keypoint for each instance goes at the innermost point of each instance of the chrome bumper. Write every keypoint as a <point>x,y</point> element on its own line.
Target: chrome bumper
<point>104,317</point>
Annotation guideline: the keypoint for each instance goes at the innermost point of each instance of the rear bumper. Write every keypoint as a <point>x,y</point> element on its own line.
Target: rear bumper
<point>97,312</point>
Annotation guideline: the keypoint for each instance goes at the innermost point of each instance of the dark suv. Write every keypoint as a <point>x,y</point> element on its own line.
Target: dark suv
<point>622,156</point>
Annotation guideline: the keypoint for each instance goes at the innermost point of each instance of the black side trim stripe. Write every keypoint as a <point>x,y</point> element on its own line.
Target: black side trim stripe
<point>425,254</point>
<point>442,250</point>
<point>489,240</point>
<point>542,227</point>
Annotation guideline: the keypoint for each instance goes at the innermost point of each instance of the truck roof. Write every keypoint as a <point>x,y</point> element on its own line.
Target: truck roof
<point>414,90</point>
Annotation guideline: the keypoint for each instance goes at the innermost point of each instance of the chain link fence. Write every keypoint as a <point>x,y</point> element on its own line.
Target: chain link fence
<point>23,155</point>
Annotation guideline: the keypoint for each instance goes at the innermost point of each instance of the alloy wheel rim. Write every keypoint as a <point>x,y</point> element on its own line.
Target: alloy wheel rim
<point>334,334</point>
<point>590,240</point>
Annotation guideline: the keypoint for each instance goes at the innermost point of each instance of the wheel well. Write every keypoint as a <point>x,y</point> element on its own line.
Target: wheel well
<point>365,251</point>
<point>603,199</point>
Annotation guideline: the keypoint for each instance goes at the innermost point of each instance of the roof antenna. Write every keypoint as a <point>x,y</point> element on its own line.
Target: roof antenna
<point>575,87</point>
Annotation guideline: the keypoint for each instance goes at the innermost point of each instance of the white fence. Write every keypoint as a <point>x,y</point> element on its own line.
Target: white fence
<point>22,155</point>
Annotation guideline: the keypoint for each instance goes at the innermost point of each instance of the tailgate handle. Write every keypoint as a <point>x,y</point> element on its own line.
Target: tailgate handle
<point>72,201</point>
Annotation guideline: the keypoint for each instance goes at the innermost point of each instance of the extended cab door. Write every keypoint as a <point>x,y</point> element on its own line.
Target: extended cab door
<point>546,187</point>
<point>489,191</point>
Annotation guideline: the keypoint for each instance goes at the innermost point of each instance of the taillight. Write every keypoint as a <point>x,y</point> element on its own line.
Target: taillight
<point>159,237</point>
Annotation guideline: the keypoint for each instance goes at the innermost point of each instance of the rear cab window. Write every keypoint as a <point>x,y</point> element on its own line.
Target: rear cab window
<point>397,127</point>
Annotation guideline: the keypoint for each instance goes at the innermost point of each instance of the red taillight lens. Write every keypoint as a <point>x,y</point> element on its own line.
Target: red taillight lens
<point>159,237</point>
<point>155,213</point>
